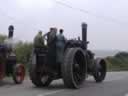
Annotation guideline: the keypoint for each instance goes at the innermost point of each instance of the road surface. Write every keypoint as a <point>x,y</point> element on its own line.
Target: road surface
<point>115,84</point>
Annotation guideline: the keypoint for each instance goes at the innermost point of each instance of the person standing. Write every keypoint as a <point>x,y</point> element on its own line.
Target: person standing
<point>38,40</point>
<point>60,44</point>
<point>10,58</point>
<point>9,42</point>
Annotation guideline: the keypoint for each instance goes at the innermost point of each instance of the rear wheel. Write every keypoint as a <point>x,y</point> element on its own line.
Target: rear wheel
<point>100,70</point>
<point>18,73</point>
<point>74,68</point>
<point>2,71</point>
<point>39,79</point>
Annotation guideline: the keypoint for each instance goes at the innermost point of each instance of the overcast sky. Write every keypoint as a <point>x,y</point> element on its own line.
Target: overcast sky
<point>107,20</point>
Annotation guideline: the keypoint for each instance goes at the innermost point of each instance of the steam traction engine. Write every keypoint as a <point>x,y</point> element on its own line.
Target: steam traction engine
<point>8,61</point>
<point>76,63</point>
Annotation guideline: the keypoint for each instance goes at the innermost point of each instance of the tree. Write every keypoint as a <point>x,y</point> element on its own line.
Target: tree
<point>23,52</point>
<point>2,38</point>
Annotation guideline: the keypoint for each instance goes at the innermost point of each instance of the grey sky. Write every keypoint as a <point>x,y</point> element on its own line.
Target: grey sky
<point>29,16</point>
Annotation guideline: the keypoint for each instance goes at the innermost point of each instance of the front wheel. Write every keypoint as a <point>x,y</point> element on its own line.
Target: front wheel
<point>100,70</point>
<point>18,73</point>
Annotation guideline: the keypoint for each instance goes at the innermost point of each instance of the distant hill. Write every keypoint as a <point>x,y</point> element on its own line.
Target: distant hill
<point>116,60</point>
<point>105,53</point>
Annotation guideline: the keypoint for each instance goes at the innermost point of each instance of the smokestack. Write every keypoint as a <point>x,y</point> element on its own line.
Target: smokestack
<point>84,34</point>
<point>10,31</point>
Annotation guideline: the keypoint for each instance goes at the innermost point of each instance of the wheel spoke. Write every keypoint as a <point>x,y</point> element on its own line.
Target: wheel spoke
<point>77,72</point>
<point>44,79</point>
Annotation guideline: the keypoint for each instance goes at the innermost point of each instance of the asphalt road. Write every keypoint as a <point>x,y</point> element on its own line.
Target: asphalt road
<point>115,84</point>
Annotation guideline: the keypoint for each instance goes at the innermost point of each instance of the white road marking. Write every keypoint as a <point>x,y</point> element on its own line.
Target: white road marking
<point>126,94</point>
<point>113,79</point>
<point>50,93</point>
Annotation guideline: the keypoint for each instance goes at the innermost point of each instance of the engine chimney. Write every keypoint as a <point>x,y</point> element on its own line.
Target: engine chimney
<point>10,31</point>
<point>84,34</point>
